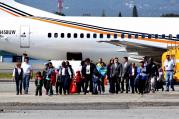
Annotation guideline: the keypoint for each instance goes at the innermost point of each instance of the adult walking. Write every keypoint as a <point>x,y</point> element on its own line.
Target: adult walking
<point>63,77</point>
<point>18,77</point>
<point>100,61</point>
<point>109,75</point>
<point>143,78</point>
<point>125,75</point>
<point>87,73</point>
<point>27,68</point>
<point>132,76</point>
<point>169,66</point>
<point>116,75</point>
<point>70,77</point>
<point>44,75</point>
<point>102,75</point>
<point>50,79</point>
<point>153,74</point>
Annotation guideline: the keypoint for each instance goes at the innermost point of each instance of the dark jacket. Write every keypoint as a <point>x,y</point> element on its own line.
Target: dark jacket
<point>44,73</point>
<point>153,70</point>
<point>135,71</point>
<point>39,82</point>
<point>116,71</point>
<point>92,67</point>
<point>17,75</point>
<point>126,70</point>
<point>71,70</point>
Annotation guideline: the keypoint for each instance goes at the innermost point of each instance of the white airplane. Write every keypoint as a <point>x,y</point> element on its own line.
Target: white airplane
<point>44,35</point>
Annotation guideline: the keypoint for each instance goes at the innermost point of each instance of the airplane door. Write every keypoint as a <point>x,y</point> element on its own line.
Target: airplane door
<point>25,37</point>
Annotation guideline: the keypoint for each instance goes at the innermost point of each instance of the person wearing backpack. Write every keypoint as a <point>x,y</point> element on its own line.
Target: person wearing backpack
<point>18,77</point>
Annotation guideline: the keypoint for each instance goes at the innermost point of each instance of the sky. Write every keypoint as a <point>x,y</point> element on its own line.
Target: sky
<point>146,8</point>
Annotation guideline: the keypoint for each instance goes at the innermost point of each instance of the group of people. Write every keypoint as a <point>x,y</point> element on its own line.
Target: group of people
<point>91,78</point>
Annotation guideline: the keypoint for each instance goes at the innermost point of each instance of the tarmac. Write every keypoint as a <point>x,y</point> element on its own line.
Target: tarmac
<point>9,100</point>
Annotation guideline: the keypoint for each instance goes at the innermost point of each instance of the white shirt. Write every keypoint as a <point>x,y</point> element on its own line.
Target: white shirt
<point>14,72</point>
<point>115,65</point>
<point>88,69</point>
<point>27,68</point>
<point>63,72</point>
<point>169,65</point>
<point>125,64</point>
<point>133,71</point>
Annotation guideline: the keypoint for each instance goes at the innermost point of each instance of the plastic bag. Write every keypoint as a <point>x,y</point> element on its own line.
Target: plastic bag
<point>105,81</point>
<point>73,88</point>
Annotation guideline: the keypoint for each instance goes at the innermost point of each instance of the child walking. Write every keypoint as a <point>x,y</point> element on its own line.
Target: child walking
<point>95,79</point>
<point>78,80</point>
<point>38,84</point>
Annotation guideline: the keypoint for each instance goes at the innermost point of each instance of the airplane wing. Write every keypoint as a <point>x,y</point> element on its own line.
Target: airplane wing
<point>141,50</point>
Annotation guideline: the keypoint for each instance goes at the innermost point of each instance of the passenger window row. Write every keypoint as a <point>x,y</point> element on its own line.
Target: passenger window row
<point>123,35</point>
<point>81,35</point>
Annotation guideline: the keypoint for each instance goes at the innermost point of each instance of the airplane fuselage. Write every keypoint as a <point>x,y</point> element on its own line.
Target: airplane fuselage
<point>25,35</point>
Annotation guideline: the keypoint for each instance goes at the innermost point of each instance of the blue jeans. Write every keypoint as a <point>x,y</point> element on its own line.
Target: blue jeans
<point>18,87</point>
<point>26,80</point>
<point>65,84</point>
<point>169,80</point>
<point>95,85</point>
